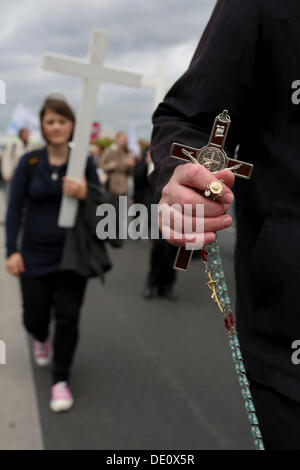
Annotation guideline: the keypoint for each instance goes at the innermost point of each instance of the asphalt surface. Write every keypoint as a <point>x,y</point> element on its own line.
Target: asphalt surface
<point>149,374</point>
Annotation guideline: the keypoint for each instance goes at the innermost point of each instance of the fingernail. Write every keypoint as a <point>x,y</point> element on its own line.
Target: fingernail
<point>227,221</point>
<point>229,198</point>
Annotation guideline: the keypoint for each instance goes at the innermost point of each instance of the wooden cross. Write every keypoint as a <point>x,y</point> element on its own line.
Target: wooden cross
<point>159,84</point>
<point>93,72</point>
<point>214,158</point>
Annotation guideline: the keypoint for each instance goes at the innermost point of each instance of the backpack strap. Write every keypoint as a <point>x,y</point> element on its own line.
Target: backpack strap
<point>32,164</point>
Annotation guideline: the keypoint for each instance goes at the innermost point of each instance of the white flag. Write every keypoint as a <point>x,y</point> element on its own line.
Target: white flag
<point>23,117</point>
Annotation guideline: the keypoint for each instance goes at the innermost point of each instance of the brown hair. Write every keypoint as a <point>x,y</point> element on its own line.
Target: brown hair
<point>56,106</point>
<point>118,134</point>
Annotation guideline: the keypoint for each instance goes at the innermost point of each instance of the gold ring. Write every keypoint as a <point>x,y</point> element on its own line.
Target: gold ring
<point>214,190</point>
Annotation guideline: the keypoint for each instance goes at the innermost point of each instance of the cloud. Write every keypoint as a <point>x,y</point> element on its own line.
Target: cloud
<point>142,33</point>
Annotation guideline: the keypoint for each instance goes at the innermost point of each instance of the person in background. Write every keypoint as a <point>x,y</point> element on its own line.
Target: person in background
<point>161,276</point>
<point>37,261</point>
<point>118,163</point>
<point>96,151</point>
<point>143,193</point>
<point>2,182</point>
<point>13,152</point>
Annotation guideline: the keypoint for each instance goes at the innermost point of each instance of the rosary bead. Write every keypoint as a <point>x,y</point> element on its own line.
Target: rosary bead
<point>245,381</point>
<point>249,405</point>
<point>254,419</point>
<point>259,445</point>
<point>255,431</point>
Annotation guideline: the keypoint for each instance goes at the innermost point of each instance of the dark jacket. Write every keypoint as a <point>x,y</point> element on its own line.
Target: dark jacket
<point>248,61</point>
<point>143,193</point>
<point>34,202</point>
<point>83,251</point>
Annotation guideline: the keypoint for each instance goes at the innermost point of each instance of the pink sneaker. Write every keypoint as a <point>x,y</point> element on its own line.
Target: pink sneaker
<point>41,352</point>
<point>61,397</point>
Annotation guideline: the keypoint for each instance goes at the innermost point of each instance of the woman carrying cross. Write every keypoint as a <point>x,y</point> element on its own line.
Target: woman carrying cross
<point>37,186</point>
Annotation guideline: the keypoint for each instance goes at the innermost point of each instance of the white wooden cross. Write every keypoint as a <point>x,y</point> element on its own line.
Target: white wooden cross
<point>159,84</point>
<point>93,72</point>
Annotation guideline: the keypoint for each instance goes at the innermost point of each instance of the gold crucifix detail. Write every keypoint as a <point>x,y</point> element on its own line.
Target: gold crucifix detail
<point>211,284</point>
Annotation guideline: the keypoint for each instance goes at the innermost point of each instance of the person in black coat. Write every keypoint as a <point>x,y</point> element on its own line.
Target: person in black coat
<point>161,276</point>
<point>248,61</point>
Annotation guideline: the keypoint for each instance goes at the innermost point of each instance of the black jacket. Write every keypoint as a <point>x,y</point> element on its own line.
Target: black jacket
<point>248,61</point>
<point>143,193</point>
<point>83,251</point>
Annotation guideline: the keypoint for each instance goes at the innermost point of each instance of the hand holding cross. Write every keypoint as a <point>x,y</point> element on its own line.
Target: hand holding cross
<point>187,186</point>
<point>190,181</point>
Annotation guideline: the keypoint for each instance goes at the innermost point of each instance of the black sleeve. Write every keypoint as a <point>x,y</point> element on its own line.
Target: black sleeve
<point>221,76</point>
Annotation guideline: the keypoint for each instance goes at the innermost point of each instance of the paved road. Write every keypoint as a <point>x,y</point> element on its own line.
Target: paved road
<point>149,374</point>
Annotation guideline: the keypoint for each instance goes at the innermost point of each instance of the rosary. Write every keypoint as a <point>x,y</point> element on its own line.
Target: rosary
<point>214,158</point>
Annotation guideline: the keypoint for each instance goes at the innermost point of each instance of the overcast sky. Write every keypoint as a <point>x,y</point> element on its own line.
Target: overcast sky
<point>142,33</point>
